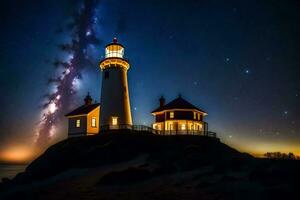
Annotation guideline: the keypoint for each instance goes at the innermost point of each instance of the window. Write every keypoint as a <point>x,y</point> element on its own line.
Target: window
<point>78,123</point>
<point>195,115</point>
<point>158,127</point>
<point>106,75</point>
<point>183,126</point>
<point>94,122</point>
<point>171,126</point>
<point>171,115</point>
<point>198,116</point>
<point>114,50</point>
<point>191,127</point>
<point>199,127</point>
<point>114,121</point>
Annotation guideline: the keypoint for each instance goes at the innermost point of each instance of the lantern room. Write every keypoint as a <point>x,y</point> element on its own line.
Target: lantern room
<point>114,56</point>
<point>114,50</point>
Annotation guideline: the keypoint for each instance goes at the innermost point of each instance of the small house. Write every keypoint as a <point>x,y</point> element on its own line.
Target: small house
<point>179,116</point>
<point>84,120</point>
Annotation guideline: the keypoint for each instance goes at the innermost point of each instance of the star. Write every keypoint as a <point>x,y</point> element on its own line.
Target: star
<point>227,59</point>
<point>88,33</point>
<point>285,112</point>
<point>247,71</point>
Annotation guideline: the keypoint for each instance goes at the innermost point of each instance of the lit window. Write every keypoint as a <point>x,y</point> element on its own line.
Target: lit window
<point>198,116</point>
<point>171,126</point>
<point>195,115</point>
<point>78,123</point>
<point>191,127</point>
<point>114,50</point>
<point>183,126</point>
<point>159,127</point>
<point>94,122</point>
<point>171,115</point>
<point>114,120</point>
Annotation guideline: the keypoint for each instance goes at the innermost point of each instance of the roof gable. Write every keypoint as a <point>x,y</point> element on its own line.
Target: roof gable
<point>83,110</point>
<point>178,103</point>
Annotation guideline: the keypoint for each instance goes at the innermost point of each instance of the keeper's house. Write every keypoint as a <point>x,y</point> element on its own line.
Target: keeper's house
<point>84,120</point>
<point>179,116</point>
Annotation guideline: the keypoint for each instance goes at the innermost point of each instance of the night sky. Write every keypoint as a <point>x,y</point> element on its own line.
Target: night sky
<point>237,60</point>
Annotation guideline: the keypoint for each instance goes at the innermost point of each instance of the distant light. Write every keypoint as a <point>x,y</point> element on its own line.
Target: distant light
<point>52,107</point>
<point>286,112</point>
<point>76,83</point>
<point>227,59</point>
<point>134,108</point>
<point>67,71</point>
<point>88,33</point>
<point>58,97</point>
<point>247,71</point>
<point>70,57</point>
<point>230,136</point>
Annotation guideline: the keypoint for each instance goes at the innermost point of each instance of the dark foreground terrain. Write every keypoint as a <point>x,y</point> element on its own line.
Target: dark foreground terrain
<point>143,166</point>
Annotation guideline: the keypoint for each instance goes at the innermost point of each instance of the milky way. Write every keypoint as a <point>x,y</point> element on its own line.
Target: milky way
<point>82,30</point>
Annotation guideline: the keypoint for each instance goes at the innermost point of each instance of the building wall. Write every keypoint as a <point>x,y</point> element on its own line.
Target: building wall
<point>73,130</point>
<point>183,125</point>
<point>186,115</point>
<point>94,114</point>
<point>160,117</point>
<point>180,125</point>
<point>115,96</point>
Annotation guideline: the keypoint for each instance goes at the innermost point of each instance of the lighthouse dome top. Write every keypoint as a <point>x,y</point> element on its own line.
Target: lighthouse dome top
<point>114,50</point>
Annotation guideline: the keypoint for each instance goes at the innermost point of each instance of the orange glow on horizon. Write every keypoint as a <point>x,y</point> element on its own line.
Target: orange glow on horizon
<point>261,148</point>
<point>17,154</point>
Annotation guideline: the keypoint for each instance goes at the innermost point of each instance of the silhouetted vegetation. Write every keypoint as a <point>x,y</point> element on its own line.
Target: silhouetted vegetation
<point>281,156</point>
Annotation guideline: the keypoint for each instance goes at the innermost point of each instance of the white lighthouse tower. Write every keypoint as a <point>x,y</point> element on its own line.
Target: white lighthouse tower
<point>115,103</point>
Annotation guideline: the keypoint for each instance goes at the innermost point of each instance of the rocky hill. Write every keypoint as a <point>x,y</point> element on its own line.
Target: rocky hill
<point>123,165</point>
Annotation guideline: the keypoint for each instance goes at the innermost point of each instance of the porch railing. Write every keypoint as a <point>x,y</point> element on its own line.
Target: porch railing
<point>148,129</point>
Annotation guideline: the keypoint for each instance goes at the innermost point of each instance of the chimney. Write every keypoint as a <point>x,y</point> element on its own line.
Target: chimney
<point>88,100</point>
<point>162,101</point>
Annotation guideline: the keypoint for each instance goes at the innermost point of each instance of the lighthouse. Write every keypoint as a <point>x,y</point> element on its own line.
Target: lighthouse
<point>115,102</point>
